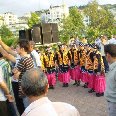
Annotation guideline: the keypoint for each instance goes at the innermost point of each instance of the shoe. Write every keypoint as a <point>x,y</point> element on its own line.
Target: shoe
<point>78,83</point>
<point>51,87</point>
<point>75,83</point>
<point>66,85</point>
<point>91,91</point>
<point>85,86</point>
<point>99,94</point>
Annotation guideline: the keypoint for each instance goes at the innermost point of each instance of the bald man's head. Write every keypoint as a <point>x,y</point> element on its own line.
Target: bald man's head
<point>34,82</point>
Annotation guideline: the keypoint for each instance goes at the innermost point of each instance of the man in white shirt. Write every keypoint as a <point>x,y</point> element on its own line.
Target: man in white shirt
<point>104,41</point>
<point>35,56</point>
<point>35,86</point>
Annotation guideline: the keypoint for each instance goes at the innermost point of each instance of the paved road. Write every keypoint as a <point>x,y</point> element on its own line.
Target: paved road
<point>87,103</point>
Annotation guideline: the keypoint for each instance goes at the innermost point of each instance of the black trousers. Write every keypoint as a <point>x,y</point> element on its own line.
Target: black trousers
<point>11,108</point>
<point>4,109</point>
<point>106,66</point>
<point>19,101</point>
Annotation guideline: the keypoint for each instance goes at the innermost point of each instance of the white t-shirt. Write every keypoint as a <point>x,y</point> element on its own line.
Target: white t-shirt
<point>112,41</point>
<point>36,58</point>
<point>44,107</point>
<point>2,96</point>
<point>102,48</point>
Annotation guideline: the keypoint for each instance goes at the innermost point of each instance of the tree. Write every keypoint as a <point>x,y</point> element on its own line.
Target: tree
<point>101,19</point>
<point>5,32</point>
<point>7,36</point>
<point>34,19</point>
<point>72,25</point>
<point>66,29</point>
<point>76,18</point>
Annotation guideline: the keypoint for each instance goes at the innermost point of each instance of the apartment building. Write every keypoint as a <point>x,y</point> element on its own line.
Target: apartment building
<point>55,14</point>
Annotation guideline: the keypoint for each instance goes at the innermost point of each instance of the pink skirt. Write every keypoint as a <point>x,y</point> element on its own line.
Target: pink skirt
<point>100,84</point>
<point>78,73</point>
<point>60,77</point>
<point>84,77</point>
<point>51,79</point>
<point>64,77</point>
<point>91,81</point>
<point>73,74</point>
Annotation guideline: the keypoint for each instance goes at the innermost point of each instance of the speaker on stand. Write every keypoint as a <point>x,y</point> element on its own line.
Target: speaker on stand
<point>46,33</point>
<point>55,37</point>
<point>29,34</point>
<point>36,35</point>
<point>22,34</point>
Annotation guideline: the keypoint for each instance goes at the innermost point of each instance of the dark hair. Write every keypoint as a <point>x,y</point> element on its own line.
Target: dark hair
<point>111,49</point>
<point>1,55</point>
<point>24,44</point>
<point>34,82</point>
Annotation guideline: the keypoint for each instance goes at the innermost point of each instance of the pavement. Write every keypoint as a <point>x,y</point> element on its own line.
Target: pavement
<point>86,103</point>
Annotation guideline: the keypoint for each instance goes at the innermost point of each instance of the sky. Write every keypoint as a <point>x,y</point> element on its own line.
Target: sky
<point>19,7</point>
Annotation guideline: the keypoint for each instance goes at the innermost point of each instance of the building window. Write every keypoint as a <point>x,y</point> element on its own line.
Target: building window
<point>10,16</point>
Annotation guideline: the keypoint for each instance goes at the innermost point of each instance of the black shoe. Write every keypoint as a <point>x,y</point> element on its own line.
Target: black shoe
<point>66,85</point>
<point>51,87</point>
<point>85,86</point>
<point>91,91</point>
<point>99,94</point>
<point>78,83</point>
<point>75,83</point>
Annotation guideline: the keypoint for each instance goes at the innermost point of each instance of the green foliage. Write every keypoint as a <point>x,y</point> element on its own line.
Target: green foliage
<point>34,19</point>
<point>109,6</point>
<point>72,25</point>
<point>5,32</point>
<point>67,29</point>
<point>10,41</point>
<point>7,36</point>
<point>76,19</point>
<point>92,34</point>
<point>101,20</point>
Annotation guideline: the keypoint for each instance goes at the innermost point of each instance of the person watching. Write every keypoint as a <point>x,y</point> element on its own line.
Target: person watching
<point>35,86</point>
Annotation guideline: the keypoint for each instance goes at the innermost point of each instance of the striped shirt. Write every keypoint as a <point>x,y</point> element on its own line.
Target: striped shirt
<point>24,64</point>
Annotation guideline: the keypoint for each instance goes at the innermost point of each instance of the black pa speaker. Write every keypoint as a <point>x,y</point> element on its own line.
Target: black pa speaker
<point>55,37</point>
<point>36,35</point>
<point>29,34</point>
<point>54,27</point>
<point>22,34</point>
<point>47,38</point>
<point>46,27</point>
